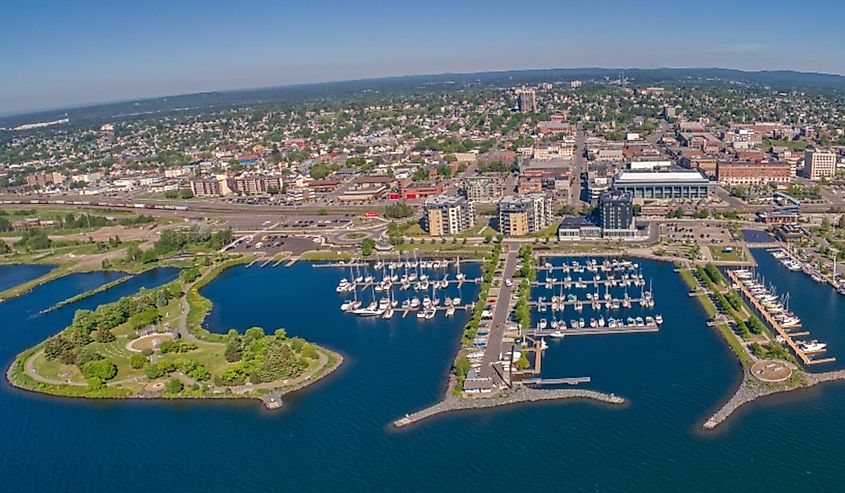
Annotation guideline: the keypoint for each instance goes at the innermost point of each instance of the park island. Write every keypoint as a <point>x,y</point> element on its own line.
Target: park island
<point>150,345</point>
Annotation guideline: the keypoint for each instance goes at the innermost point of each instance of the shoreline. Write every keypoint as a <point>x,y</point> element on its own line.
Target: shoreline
<point>18,375</point>
<point>751,390</point>
<point>271,399</point>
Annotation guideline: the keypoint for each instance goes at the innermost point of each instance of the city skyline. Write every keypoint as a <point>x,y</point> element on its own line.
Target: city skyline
<point>127,52</point>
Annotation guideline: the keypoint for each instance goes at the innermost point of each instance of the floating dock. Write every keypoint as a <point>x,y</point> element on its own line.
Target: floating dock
<point>587,331</point>
<point>787,336</point>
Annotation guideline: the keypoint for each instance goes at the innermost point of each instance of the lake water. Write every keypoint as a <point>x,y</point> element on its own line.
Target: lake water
<point>335,436</point>
<point>12,275</point>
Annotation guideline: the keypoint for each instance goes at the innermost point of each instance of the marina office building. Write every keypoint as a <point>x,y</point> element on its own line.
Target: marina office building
<point>675,183</point>
<point>520,215</point>
<point>445,215</point>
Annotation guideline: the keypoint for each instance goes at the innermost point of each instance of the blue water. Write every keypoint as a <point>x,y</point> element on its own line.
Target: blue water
<point>12,275</point>
<point>819,306</point>
<point>335,436</point>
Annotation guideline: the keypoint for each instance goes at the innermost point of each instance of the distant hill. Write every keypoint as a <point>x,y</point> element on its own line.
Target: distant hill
<point>782,80</point>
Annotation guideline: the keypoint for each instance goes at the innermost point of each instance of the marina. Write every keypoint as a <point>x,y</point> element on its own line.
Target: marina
<point>777,314</point>
<point>385,289</point>
<point>685,364</point>
<point>791,261</point>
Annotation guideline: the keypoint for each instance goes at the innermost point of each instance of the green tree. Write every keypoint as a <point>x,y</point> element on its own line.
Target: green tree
<point>173,386</point>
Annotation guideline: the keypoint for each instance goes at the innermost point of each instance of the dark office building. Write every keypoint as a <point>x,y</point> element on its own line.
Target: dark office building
<point>616,210</point>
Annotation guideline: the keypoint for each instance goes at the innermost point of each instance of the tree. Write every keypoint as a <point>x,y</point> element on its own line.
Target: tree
<point>138,361</point>
<point>102,370</point>
<point>233,351</point>
<point>398,211</point>
<point>367,247</point>
<point>173,386</point>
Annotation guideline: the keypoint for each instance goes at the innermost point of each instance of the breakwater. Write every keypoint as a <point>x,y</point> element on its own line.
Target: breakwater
<point>752,389</point>
<point>521,395</point>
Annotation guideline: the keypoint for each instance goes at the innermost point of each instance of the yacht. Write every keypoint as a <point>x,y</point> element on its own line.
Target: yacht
<point>543,324</point>
<point>658,319</point>
<point>812,346</point>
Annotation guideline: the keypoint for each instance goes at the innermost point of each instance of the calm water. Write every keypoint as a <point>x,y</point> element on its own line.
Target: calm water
<point>12,275</point>
<point>335,436</point>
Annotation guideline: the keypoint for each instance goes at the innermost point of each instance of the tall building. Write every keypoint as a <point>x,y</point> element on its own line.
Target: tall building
<point>520,215</point>
<point>526,100</point>
<point>617,210</point>
<point>445,216</point>
<point>819,163</point>
<point>483,188</point>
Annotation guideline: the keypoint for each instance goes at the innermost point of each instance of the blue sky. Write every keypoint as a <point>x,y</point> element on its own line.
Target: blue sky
<point>57,53</point>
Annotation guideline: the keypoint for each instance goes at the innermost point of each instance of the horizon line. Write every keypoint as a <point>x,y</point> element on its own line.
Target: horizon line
<point>95,103</point>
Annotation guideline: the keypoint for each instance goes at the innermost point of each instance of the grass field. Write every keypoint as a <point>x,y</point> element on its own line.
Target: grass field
<point>720,255</point>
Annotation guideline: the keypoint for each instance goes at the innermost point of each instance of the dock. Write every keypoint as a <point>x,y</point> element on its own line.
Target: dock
<point>785,334</point>
<point>556,381</point>
<point>633,301</point>
<point>610,281</point>
<point>587,331</point>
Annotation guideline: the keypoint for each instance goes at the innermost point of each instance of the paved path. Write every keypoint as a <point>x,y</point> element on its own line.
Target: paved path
<point>500,317</point>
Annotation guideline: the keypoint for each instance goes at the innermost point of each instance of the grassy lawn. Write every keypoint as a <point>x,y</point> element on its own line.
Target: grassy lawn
<point>798,145</point>
<point>736,346</point>
<point>720,255</point>
<point>476,229</point>
<point>549,232</point>
<point>688,278</point>
<point>325,255</point>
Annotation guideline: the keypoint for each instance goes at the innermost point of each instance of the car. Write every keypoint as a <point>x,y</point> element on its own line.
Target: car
<point>508,283</point>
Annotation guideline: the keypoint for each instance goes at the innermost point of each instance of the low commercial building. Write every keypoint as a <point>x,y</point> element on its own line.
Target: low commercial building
<point>733,173</point>
<point>663,185</point>
<point>444,215</point>
<point>420,190</point>
<point>366,188</point>
<point>578,228</point>
<point>520,215</point>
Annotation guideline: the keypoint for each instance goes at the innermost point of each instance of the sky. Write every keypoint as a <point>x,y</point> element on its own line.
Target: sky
<point>60,53</point>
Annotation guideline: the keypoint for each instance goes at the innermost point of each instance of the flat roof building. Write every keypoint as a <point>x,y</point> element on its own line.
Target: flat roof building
<point>520,215</point>
<point>663,185</point>
<point>483,189</point>
<point>445,215</point>
<point>819,163</point>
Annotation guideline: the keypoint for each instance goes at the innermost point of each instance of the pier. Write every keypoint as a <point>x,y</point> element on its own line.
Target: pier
<point>633,301</point>
<point>785,334</point>
<point>556,381</point>
<point>586,331</point>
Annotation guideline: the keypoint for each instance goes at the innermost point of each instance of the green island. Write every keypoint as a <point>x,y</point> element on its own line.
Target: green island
<point>151,344</point>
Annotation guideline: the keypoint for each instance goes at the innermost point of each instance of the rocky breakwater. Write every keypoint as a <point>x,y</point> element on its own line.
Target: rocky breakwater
<point>521,395</point>
<point>752,389</point>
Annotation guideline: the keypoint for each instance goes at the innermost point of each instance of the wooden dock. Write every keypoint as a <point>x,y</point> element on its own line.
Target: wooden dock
<point>587,331</point>
<point>555,381</point>
<point>775,325</point>
<point>548,304</point>
<point>611,281</point>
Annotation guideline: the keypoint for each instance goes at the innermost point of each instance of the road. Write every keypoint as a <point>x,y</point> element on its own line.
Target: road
<point>501,314</point>
<point>579,165</point>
